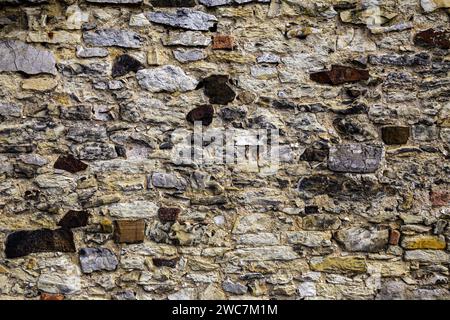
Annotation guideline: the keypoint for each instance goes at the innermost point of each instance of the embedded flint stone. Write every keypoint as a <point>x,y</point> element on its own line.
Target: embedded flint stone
<point>204,114</point>
<point>170,263</point>
<point>18,56</point>
<point>354,158</point>
<point>97,259</point>
<point>184,19</point>
<point>395,134</point>
<point>22,243</point>
<point>218,90</point>
<point>340,75</point>
<point>113,38</point>
<point>74,219</point>
<point>70,164</point>
<point>124,64</point>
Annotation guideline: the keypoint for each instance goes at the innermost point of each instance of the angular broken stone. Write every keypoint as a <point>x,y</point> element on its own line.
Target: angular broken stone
<point>363,239</point>
<point>204,114</point>
<point>395,134</point>
<point>216,3</point>
<point>234,287</point>
<point>269,58</point>
<point>39,84</point>
<point>70,164</point>
<point>187,39</point>
<point>21,57</point>
<point>339,264</point>
<point>113,38</point>
<point>168,214</point>
<point>168,180</point>
<point>165,79</point>
<point>22,243</point>
<point>185,19</point>
<point>160,262</point>
<point>135,209</point>
<point>354,158</point>
<point>124,64</point>
<point>129,231</point>
<point>339,75</point>
<point>83,52</point>
<point>95,151</point>
<point>407,60</point>
<point>74,219</point>
<point>173,3</point>
<point>218,90</point>
<point>432,38</point>
<point>97,259</point>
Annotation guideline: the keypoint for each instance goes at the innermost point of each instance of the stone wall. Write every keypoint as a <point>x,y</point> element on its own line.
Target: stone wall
<point>93,206</point>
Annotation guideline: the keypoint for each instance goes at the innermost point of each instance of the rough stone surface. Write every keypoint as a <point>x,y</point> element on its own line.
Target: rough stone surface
<point>109,191</point>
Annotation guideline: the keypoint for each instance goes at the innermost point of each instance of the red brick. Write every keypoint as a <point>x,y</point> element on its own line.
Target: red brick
<point>394,237</point>
<point>223,42</point>
<point>51,296</point>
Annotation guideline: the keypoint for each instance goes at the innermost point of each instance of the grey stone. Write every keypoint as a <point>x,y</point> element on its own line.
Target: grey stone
<point>97,259</point>
<point>422,132</point>
<point>215,3</point>
<point>10,110</point>
<point>310,239</point>
<point>95,151</point>
<point>113,37</point>
<point>420,59</point>
<point>355,158</point>
<point>234,287</point>
<point>189,55</point>
<point>167,180</point>
<point>33,159</point>
<point>83,52</point>
<point>18,56</point>
<point>427,256</point>
<point>270,253</point>
<point>269,58</point>
<point>83,134</point>
<point>363,239</point>
<point>187,39</point>
<point>307,289</point>
<point>66,282</point>
<point>116,1</point>
<point>184,18</point>
<point>165,79</point>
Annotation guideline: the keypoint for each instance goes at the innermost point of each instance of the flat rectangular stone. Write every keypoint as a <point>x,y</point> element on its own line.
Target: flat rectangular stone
<point>354,158</point>
<point>129,231</point>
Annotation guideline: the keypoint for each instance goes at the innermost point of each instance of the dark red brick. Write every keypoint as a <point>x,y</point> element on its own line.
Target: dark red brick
<point>168,214</point>
<point>340,75</point>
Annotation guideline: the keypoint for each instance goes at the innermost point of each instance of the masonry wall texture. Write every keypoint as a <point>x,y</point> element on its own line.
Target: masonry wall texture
<point>92,205</point>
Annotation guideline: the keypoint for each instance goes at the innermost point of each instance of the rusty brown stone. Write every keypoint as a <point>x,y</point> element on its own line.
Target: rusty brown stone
<point>22,243</point>
<point>52,296</point>
<point>340,75</point>
<point>129,231</point>
<point>395,134</point>
<point>433,38</point>
<point>70,163</point>
<point>223,42</point>
<point>160,262</point>
<point>394,237</point>
<point>204,114</point>
<point>440,198</point>
<point>168,214</point>
<point>74,219</point>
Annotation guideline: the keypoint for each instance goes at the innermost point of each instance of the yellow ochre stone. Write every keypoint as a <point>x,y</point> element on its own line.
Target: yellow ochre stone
<point>339,264</point>
<point>39,84</point>
<point>424,242</point>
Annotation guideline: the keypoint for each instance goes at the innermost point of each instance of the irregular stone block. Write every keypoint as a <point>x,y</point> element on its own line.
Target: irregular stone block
<point>355,158</point>
<point>271,253</point>
<point>18,56</point>
<point>217,89</point>
<point>431,5</point>
<point>74,219</point>
<point>124,64</point>
<point>173,3</point>
<point>51,297</point>
<point>115,1</point>
<point>167,180</point>
<point>22,243</point>
<point>97,259</point>
<point>65,282</point>
<point>80,112</point>
<point>204,114</point>
<point>165,79</point>
<point>129,231</point>
<point>33,159</point>
<point>170,263</point>
<point>427,256</point>
<point>39,84</point>
<point>340,75</point>
<point>189,55</point>
<point>439,198</point>
<point>95,151</point>
<point>113,38</point>
<point>363,239</point>
<point>185,19</point>
<point>234,287</point>
<point>424,242</point>
<point>168,214</point>
<point>216,3</point>
<point>312,239</point>
<point>83,52</point>
<point>187,39</point>
<point>406,60</point>
<point>82,134</point>
<point>21,148</point>
<point>135,209</point>
<point>395,134</point>
<point>394,237</point>
<point>70,164</point>
<point>432,38</point>
<point>339,264</point>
